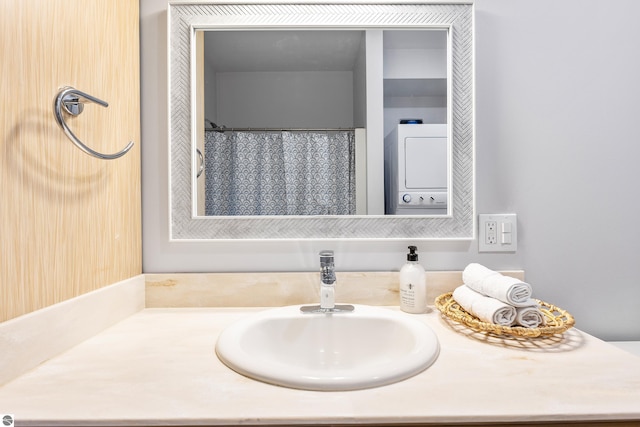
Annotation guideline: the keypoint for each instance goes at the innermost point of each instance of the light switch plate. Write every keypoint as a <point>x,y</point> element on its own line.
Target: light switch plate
<point>497,233</point>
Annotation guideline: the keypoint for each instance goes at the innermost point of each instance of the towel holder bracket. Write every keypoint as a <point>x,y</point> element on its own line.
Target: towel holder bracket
<point>71,101</point>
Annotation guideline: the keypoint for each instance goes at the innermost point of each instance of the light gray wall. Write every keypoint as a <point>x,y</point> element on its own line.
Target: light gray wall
<point>281,99</point>
<point>360,88</point>
<point>557,87</point>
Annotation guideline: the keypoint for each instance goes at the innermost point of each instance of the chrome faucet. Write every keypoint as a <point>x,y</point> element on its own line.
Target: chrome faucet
<point>327,280</point>
<point>327,288</point>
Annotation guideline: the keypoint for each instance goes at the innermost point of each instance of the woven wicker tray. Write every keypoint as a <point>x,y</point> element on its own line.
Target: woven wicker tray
<point>557,319</point>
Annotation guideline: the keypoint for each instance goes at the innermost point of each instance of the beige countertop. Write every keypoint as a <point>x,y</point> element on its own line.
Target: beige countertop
<point>158,367</point>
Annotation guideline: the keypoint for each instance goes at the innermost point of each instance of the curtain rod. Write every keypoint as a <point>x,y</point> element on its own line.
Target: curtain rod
<point>277,129</point>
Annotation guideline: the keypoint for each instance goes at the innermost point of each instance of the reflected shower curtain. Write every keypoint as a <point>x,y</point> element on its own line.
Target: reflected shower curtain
<point>279,173</point>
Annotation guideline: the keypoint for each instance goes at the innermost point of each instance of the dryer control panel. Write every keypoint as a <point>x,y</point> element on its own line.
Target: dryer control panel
<point>423,199</point>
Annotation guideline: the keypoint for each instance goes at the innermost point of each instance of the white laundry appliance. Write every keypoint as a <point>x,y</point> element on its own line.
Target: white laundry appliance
<point>417,170</point>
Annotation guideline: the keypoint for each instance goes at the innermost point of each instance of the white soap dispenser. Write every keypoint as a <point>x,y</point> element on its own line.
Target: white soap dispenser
<point>413,285</point>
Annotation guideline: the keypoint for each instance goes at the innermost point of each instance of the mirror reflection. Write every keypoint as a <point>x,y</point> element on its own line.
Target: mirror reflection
<point>285,124</point>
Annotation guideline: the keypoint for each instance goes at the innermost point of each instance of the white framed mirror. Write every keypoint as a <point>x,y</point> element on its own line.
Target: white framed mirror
<point>190,24</point>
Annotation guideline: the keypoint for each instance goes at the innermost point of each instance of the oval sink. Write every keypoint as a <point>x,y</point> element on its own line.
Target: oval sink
<point>368,347</point>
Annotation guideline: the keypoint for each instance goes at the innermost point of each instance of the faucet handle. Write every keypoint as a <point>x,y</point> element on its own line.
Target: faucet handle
<point>326,254</point>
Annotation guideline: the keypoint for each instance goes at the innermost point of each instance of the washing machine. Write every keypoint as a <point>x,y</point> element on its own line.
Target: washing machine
<point>417,170</point>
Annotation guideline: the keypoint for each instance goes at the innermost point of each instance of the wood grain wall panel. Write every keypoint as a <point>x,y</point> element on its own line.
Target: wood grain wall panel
<point>69,223</point>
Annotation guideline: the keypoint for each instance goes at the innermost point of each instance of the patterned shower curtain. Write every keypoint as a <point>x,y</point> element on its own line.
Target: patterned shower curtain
<point>279,173</point>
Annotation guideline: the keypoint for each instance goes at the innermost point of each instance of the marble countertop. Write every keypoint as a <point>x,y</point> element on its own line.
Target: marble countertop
<point>158,367</point>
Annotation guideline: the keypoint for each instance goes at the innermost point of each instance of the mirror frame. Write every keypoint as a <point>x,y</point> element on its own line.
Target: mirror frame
<point>185,19</point>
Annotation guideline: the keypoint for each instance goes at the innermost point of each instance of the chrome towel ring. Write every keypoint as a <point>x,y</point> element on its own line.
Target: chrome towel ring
<point>201,168</point>
<point>72,101</point>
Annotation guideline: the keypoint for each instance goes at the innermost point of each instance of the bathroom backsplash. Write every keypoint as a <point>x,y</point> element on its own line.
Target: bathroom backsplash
<point>277,289</point>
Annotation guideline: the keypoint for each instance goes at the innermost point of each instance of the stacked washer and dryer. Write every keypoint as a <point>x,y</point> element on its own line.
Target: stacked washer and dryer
<point>416,143</point>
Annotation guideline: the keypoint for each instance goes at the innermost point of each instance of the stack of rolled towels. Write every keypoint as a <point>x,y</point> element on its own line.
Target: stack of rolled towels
<point>495,298</point>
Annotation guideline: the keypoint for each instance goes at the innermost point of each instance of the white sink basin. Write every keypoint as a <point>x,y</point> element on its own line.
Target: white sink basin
<point>368,347</point>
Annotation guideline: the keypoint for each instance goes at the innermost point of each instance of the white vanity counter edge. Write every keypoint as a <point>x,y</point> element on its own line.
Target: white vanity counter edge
<point>158,367</point>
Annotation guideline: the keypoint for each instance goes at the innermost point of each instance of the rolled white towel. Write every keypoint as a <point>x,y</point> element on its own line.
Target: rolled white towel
<point>485,308</point>
<point>493,284</point>
<point>529,317</point>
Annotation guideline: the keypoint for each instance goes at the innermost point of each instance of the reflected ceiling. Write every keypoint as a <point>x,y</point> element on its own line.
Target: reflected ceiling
<point>282,50</point>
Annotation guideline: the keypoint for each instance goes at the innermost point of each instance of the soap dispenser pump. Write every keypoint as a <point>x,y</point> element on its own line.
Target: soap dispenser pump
<point>413,284</point>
